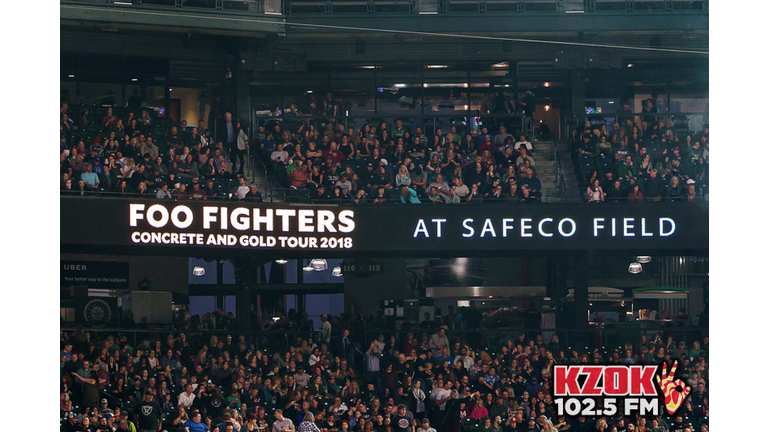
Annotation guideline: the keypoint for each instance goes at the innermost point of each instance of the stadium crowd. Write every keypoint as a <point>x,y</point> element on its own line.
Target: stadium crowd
<point>429,378</point>
<point>639,157</point>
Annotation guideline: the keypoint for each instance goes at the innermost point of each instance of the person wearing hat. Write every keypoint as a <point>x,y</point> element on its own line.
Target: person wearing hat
<point>104,409</point>
<point>425,427</point>
<point>253,194</point>
<point>320,194</point>
<point>71,424</point>
<point>148,415</point>
<point>197,193</point>
<point>227,420</point>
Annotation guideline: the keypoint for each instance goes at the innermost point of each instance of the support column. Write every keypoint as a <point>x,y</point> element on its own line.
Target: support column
<point>578,96</point>
<point>242,92</point>
<point>243,308</point>
<point>167,99</point>
<point>580,318</point>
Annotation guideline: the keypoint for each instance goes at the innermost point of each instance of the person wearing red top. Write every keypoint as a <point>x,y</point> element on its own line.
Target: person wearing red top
<point>110,120</point>
<point>300,177</point>
<point>333,152</point>
<point>479,411</point>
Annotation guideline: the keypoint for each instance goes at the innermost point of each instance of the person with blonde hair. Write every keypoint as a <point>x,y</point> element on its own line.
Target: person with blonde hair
<point>308,424</point>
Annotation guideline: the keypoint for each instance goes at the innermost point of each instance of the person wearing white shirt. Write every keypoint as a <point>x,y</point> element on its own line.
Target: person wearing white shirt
<point>325,328</point>
<point>523,143</point>
<point>243,189</point>
<point>186,398</point>
<point>441,394</point>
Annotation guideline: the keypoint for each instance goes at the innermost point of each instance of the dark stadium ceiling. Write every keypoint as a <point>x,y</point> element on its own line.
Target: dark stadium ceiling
<point>167,50</point>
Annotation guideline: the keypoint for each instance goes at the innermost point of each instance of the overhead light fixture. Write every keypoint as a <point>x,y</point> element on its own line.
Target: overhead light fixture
<point>309,91</point>
<point>336,272</point>
<point>547,84</point>
<point>547,107</point>
<point>198,271</point>
<point>308,268</point>
<point>635,268</point>
<point>368,67</point>
<point>71,75</point>
<point>630,65</point>
<point>399,85</point>
<point>170,89</point>
<point>501,65</point>
<point>134,79</point>
<point>643,259</point>
<point>611,102</point>
<point>437,66</point>
<point>319,264</point>
<point>281,261</point>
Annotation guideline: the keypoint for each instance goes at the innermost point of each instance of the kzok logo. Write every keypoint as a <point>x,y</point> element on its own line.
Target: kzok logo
<point>576,387</point>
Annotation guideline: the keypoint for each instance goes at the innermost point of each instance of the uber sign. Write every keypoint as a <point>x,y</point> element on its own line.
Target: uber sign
<point>95,274</point>
<point>183,227</point>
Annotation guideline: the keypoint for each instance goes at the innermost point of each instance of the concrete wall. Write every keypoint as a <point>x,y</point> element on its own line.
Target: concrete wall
<point>511,271</point>
<point>366,293</point>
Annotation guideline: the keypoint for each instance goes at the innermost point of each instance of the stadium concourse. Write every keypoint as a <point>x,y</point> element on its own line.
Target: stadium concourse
<point>206,375</point>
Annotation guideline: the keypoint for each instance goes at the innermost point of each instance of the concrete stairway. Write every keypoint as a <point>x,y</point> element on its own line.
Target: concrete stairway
<point>544,152</point>
<point>257,176</point>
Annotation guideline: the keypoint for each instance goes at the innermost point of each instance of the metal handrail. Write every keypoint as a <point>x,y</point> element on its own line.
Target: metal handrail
<point>303,195</point>
<point>610,336</point>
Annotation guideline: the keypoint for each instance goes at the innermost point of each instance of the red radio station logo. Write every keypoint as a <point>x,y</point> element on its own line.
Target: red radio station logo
<point>594,390</point>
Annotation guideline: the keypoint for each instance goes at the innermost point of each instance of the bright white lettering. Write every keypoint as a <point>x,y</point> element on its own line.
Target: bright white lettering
<point>325,221</point>
<point>506,226</point>
<point>209,216</point>
<point>488,227</point>
<point>187,217</point>
<point>239,219</point>
<point>135,216</point>
<point>346,221</point>
<point>525,225</point>
<point>157,208</point>
<point>671,231</point>
<point>267,220</point>
<point>286,215</point>
<point>421,228</point>
<point>569,233</point>
<point>439,223</point>
<point>541,227</point>
<point>305,221</point>
<point>628,226</point>
<point>642,229</point>
<point>597,226</point>
<point>467,225</point>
